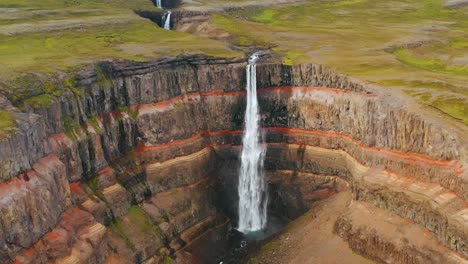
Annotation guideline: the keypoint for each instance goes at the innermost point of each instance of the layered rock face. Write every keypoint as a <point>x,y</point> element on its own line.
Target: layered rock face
<point>139,160</point>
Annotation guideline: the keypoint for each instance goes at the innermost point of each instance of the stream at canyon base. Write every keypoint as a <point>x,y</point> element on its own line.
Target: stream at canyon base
<point>233,247</point>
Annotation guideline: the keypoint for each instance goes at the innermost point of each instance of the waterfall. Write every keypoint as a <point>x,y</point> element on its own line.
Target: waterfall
<point>253,197</point>
<point>159,4</point>
<point>167,20</point>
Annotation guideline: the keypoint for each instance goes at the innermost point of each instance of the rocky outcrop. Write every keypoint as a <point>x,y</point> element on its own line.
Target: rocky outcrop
<point>387,238</point>
<point>31,205</point>
<point>24,147</point>
<point>142,149</point>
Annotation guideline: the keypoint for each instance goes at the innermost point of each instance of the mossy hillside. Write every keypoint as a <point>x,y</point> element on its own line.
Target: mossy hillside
<point>7,123</point>
<point>31,12</point>
<point>35,57</point>
<point>135,218</point>
<point>78,4</point>
<point>52,51</point>
<point>380,41</point>
<point>45,54</point>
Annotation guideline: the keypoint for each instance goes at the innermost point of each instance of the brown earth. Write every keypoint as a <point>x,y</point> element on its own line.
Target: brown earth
<point>310,238</point>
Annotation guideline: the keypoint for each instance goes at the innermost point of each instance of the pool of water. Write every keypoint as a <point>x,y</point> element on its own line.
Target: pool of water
<point>230,246</point>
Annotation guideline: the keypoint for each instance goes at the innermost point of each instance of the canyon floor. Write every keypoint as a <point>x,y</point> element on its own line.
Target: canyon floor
<point>311,239</point>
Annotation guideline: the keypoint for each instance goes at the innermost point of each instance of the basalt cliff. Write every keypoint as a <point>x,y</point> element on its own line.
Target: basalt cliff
<point>138,163</point>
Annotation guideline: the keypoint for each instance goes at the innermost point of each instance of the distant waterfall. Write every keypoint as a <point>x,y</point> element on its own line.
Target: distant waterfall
<point>158,3</point>
<point>253,197</point>
<point>167,20</point>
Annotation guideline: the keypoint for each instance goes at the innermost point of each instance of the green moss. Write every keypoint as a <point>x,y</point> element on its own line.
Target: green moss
<point>102,78</point>
<point>266,16</point>
<point>407,57</point>
<point>460,44</point>
<point>42,100</point>
<point>118,227</point>
<point>140,219</point>
<point>70,125</point>
<point>7,124</point>
<point>132,114</point>
<point>455,107</point>
<point>167,260</point>
<point>353,36</point>
<point>78,4</point>
<point>241,34</point>
<point>138,39</point>
<point>72,85</point>
<point>95,124</point>
<point>93,184</point>
<point>289,57</point>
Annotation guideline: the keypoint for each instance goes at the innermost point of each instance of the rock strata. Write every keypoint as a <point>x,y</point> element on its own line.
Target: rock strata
<point>138,162</point>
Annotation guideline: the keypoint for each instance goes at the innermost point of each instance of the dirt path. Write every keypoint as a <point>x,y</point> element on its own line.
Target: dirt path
<point>310,238</point>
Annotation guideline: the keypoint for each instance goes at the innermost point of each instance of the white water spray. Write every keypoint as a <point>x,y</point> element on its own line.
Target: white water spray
<point>253,197</point>
<point>167,20</point>
<point>158,3</point>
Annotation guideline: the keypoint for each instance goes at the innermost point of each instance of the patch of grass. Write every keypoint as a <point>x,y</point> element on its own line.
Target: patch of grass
<point>353,36</point>
<point>140,219</point>
<point>167,260</point>
<point>7,124</point>
<point>34,90</point>
<point>93,184</point>
<point>78,4</point>
<point>118,227</point>
<point>53,51</point>
<point>407,57</point>
<point>45,52</point>
<point>460,44</point>
<point>136,216</point>
<point>42,100</point>
<point>290,57</point>
<point>266,16</point>
<point>455,107</point>
<point>70,125</point>
<point>95,124</point>
<point>241,34</point>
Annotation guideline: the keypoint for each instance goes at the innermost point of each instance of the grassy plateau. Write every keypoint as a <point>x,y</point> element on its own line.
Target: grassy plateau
<point>418,46</point>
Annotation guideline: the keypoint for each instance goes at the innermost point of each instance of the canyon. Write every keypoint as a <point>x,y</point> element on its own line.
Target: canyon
<point>138,162</point>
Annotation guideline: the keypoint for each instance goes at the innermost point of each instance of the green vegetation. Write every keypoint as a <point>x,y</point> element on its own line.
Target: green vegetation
<point>70,126</point>
<point>167,260</point>
<point>416,46</point>
<point>431,64</point>
<point>53,51</point>
<point>39,100</point>
<point>93,184</point>
<point>95,124</point>
<point>81,4</point>
<point>135,217</point>
<point>118,227</point>
<point>140,219</point>
<point>404,44</point>
<point>241,34</point>
<point>7,123</point>
<point>455,107</point>
<point>40,40</point>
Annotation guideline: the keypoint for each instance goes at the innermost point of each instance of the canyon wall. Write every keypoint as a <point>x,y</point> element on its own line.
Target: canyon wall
<point>132,161</point>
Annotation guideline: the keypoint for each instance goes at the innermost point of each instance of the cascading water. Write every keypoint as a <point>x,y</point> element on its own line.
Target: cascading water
<point>158,3</point>
<point>167,20</point>
<point>253,197</point>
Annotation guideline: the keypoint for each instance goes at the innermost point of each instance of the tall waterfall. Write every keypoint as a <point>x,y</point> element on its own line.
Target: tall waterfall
<point>158,3</point>
<point>167,20</point>
<point>253,197</point>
